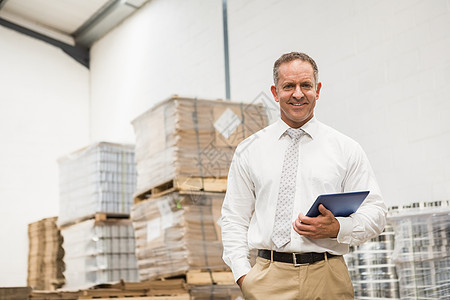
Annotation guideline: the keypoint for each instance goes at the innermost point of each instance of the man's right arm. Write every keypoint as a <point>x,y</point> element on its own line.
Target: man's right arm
<point>237,210</point>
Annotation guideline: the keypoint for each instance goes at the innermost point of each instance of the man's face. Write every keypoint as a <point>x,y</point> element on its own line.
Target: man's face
<point>296,92</point>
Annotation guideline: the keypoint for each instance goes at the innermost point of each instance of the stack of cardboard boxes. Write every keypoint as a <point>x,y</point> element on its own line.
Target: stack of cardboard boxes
<point>148,213</point>
<point>97,184</point>
<point>184,148</point>
<point>45,255</point>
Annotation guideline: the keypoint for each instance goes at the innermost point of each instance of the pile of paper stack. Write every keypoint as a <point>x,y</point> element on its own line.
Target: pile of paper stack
<point>15,293</point>
<point>99,252</point>
<point>422,250</point>
<point>184,141</point>
<point>98,178</point>
<point>222,292</point>
<point>45,255</point>
<point>184,148</point>
<point>178,232</point>
<point>97,184</point>
<point>371,267</point>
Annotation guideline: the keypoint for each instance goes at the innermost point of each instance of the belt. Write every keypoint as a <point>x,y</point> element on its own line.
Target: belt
<point>297,259</point>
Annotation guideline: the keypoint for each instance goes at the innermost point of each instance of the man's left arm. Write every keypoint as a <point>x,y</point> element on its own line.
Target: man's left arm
<point>368,221</point>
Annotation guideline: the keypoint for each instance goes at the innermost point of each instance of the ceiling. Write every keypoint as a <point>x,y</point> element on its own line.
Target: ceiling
<point>72,25</point>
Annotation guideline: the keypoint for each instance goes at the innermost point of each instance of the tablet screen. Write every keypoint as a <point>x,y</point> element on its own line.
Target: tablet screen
<point>341,204</point>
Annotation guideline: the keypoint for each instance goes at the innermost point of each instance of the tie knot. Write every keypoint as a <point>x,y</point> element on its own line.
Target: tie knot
<point>295,134</point>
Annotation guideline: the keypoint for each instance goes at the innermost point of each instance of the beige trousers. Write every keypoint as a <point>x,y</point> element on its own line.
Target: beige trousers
<point>327,279</point>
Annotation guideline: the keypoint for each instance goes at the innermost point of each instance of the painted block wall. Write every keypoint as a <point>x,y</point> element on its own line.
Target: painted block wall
<point>384,66</point>
<point>168,47</point>
<point>44,102</point>
<point>385,69</point>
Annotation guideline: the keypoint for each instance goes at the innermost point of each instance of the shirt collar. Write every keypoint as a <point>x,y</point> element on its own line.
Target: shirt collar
<point>310,128</point>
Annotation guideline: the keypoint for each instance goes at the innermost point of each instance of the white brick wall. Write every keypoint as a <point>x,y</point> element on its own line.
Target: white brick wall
<point>385,68</point>
<point>169,47</point>
<point>384,65</point>
<point>43,115</point>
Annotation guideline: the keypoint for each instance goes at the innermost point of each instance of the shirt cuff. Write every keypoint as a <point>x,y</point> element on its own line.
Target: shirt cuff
<point>240,268</point>
<point>345,231</point>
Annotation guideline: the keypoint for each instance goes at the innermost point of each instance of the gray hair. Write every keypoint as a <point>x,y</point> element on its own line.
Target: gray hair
<point>288,57</point>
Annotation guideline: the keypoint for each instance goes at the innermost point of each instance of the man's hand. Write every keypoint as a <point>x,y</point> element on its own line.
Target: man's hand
<point>240,280</point>
<point>323,226</point>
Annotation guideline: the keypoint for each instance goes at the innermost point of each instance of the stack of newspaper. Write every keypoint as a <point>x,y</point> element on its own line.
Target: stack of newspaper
<point>186,138</point>
<point>99,252</point>
<point>45,255</point>
<point>178,232</point>
<point>98,178</point>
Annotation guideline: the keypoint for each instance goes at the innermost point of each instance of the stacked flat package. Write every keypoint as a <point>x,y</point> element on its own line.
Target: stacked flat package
<point>98,252</point>
<point>178,232</point>
<point>422,251</point>
<point>99,178</point>
<point>371,268</point>
<point>45,255</point>
<point>183,138</point>
<point>216,292</point>
<point>15,293</point>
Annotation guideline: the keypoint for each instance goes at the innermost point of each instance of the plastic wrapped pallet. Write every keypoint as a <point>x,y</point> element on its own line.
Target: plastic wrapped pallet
<point>45,255</point>
<point>98,178</point>
<point>182,139</point>
<point>99,252</point>
<point>371,268</point>
<point>422,251</point>
<point>178,232</point>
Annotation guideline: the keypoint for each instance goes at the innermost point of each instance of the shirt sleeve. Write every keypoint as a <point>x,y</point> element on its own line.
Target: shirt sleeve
<point>237,210</point>
<point>369,220</point>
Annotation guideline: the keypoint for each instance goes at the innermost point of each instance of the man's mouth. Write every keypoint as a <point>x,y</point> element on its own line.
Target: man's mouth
<point>298,104</point>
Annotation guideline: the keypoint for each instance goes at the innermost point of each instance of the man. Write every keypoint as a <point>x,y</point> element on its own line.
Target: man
<point>275,176</point>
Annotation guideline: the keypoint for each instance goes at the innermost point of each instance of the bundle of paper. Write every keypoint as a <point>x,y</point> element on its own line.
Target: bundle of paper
<point>222,292</point>
<point>178,232</point>
<point>183,139</point>
<point>99,252</point>
<point>422,250</point>
<point>15,293</point>
<point>45,255</point>
<point>98,178</point>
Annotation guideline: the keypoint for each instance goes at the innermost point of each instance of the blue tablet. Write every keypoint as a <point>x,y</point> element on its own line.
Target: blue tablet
<point>341,204</point>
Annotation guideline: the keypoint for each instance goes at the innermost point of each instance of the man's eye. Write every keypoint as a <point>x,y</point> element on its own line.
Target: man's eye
<point>307,86</point>
<point>288,86</point>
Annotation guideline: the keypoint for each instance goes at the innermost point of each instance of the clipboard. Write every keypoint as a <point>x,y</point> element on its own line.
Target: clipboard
<point>340,204</point>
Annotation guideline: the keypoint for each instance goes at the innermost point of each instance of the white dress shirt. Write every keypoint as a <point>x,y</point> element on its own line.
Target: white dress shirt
<point>329,162</point>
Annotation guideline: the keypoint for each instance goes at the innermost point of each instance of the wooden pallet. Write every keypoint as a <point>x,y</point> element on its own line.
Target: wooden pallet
<point>184,183</point>
<point>50,295</point>
<point>109,216</point>
<point>110,293</point>
<point>176,297</point>
<point>154,289</point>
<point>209,278</point>
<point>99,216</point>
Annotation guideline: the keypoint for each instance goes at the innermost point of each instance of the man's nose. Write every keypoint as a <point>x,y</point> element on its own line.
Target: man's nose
<point>297,92</point>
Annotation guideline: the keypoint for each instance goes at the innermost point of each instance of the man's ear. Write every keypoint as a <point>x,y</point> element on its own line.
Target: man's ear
<point>319,86</point>
<point>273,89</point>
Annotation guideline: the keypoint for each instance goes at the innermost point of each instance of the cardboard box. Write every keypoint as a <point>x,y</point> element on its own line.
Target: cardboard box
<point>178,232</point>
<point>45,255</point>
<point>182,139</point>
